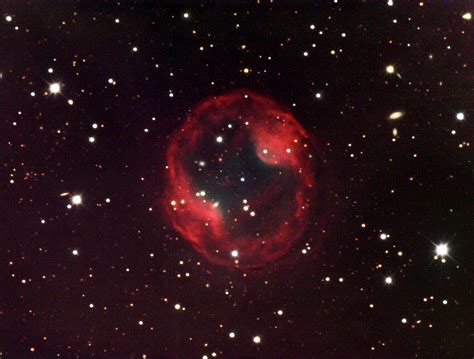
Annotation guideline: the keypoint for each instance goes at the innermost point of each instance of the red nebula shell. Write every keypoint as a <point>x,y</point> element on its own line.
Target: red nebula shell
<point>240,180</point>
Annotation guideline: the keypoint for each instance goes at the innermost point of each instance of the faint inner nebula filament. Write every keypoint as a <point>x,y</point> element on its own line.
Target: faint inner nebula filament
<point>241,180</point>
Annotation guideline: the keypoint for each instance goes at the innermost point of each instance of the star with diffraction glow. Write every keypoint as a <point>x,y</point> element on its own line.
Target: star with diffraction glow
<point>55,88</point>
<point>442,249</point>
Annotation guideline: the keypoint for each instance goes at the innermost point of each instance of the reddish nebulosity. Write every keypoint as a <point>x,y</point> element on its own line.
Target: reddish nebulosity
<point>281,194</point>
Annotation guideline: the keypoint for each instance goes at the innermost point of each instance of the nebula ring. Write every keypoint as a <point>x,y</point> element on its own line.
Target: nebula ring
<point>241,180</point>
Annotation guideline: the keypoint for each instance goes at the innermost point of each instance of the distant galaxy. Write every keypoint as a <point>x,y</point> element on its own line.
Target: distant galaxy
<point>241,179</point>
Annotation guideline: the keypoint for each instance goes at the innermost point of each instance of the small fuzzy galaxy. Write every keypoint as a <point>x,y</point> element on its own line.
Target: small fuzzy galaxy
<point>252,179</point>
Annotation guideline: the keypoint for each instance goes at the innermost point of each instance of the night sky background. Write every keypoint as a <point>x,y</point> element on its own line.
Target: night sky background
<point>109,277</point>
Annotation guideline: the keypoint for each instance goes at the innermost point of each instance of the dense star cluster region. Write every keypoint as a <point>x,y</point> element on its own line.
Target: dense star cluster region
<point>241,179</point>
<point>236,179</point>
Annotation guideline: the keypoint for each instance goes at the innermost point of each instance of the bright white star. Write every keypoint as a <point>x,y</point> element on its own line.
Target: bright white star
<point>442,249</point>
<point>76,199</point>
<point>55,88</point>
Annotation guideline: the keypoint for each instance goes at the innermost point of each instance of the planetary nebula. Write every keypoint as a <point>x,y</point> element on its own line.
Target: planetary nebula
<point>241,180</point>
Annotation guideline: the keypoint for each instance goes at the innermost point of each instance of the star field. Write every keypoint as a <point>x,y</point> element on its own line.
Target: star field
<point>102,250</point>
